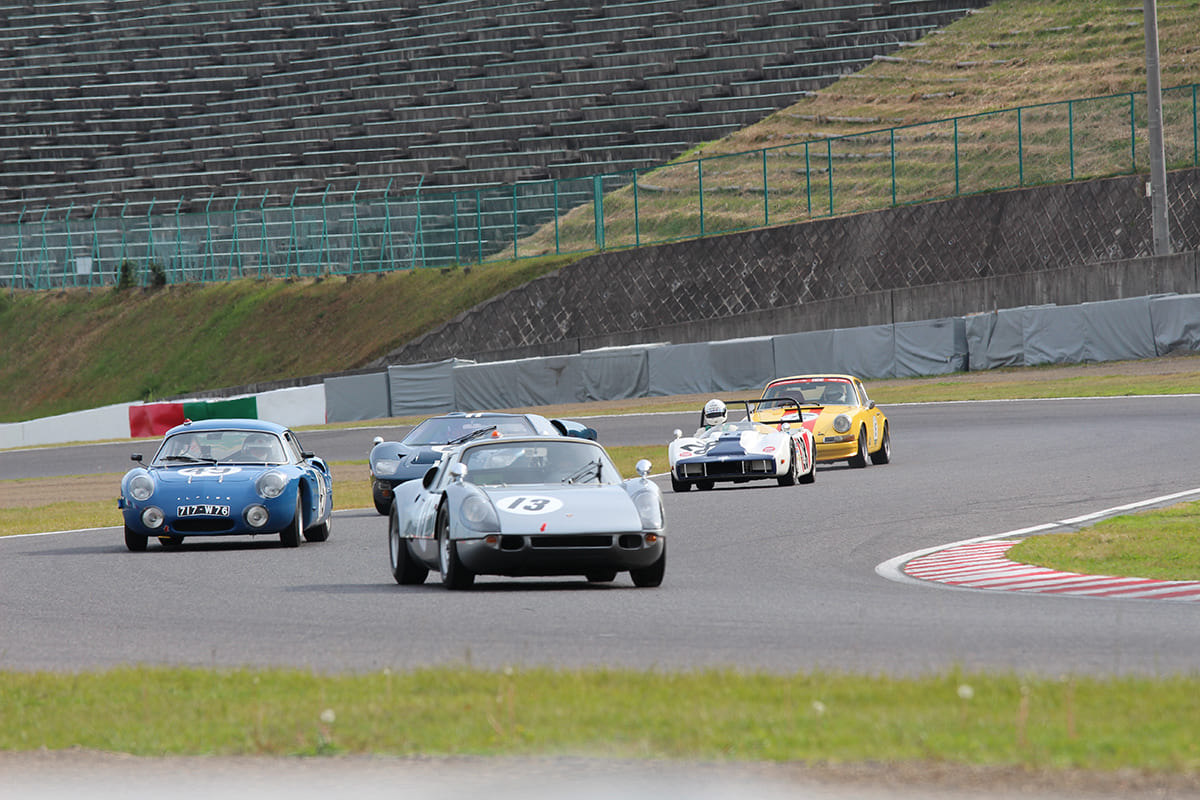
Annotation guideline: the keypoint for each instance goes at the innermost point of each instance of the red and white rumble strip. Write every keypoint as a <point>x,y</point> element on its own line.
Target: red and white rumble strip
<point>984,565</point>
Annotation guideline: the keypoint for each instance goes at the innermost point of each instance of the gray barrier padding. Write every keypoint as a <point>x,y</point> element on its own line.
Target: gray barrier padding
<point>930,347</point>
<point>679,369</point>
<point>1111,330</point>
<point>1054,335</point>
<point>422,388</point>
<point>739,364</point>
<point>868,352</point>
<point>351,398</point>
<point>616,373</point>
<point>997,339</point>
<point>519,383</point>
<point>1175,320</point>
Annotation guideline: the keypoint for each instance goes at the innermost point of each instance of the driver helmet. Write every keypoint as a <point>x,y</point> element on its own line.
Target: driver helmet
<point>714,413</point>
<point>258,446</point>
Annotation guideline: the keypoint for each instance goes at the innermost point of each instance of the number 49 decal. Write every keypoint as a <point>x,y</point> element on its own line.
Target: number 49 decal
<point>529,504</point>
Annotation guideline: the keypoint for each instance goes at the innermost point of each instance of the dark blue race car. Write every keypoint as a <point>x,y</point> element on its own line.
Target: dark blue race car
<point>227,477</point>
<point>393,463</point>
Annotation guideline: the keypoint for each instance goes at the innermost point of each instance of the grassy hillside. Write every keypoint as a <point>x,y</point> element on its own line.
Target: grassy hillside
<point>70,350</point>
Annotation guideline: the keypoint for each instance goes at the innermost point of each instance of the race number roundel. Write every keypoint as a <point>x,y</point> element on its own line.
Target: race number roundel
<point>209,471</point>
<point>529,504</point>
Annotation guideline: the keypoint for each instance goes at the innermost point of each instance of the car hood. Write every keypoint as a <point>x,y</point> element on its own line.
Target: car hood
<point>208,474</point>
<point>554,508</point>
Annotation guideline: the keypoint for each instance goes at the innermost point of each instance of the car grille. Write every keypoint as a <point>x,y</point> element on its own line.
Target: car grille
<point>548,542</point>
<point>727,469</point>
<point>199,525</point>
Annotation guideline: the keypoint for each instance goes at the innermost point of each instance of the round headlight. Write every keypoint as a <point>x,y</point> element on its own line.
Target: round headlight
<point>649,509</point>
<point>478,514</point>
<point>141,486</point>
<point>271,484</point>
<point>841,423</point>
<point>387,466</point>
<point>257,516</point>
<point>152,517</point>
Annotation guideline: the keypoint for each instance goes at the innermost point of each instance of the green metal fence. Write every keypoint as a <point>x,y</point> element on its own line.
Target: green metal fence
<point>354,233</point>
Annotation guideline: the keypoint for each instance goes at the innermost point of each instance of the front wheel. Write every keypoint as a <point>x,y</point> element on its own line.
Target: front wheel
<point>811,475</point>
<point>651,576</point>
<point>859,459</point>
<point>454,574</point>
<point>405,569</point>
<point>789,479</point>
<point>678,485</point>
<point>383,502</point>
<point>319,533</point>
<point>134,541</point>
<point>884,454</point>
<point>290,536</point>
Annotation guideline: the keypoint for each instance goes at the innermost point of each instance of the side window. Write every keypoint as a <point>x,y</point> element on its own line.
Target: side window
<point>293,447</point>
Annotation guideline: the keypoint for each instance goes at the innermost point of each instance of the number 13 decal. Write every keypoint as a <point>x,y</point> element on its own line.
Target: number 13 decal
<point>527,504</point>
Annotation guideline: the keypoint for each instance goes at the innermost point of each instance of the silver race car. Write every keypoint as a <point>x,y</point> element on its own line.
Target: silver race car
<point>525,506</point>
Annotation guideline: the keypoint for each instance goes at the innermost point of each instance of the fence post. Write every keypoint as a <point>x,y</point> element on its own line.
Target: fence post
<point>208,239</point>
<point>324,233</point>
<point>292,243</point>
<point>386,244</point>
<point>235,246</point>
<point>264,249</point>
<point>178,237</point>
<point>1020,150</point>
<point>21,249</point>
<point>69,256</point>
<point>557,241</point>
<point>637,219</point>
<point>150,233</point>
<point>516,223</point>
<point>356,250</point>
<point>418,234</point>
<point>1071,135</point>
<point>1132,135</point>
<point>37,278</point>
<point>766,200</point>
<point>598,211</point>
<point>95,245</point>
<point>700,190</point>
<point>957,173</point>
<point>892,143</point>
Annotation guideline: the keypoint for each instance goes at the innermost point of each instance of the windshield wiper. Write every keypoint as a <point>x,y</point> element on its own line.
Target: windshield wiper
<point>582,472</point>
<point>466,437</point>
<point>191,459</point>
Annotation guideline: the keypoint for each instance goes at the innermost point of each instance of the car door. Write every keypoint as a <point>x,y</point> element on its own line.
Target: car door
<point>873,415</point>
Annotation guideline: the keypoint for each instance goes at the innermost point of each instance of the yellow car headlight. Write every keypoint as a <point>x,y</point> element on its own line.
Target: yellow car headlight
<point>841,423</point>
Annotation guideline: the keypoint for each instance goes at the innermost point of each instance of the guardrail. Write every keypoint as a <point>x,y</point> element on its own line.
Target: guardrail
<point>353,233</point>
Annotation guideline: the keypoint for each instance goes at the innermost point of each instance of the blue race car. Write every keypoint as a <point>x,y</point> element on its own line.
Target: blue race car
<point>227,477</point>
<point>393,463</point>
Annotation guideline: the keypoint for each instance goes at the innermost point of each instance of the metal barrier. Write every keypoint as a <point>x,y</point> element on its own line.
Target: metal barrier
<point>352,234</point>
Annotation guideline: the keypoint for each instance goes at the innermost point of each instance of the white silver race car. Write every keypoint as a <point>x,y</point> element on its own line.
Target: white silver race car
<point>527,505</point>
<point>745,450</point>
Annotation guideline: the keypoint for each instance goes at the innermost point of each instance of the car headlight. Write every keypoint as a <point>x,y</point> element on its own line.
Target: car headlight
<point>271,484</point>
<point>141,486</point>
<point>841,423</point>
<point>153,518</point>
<point>649,508</point>
<point>479,514</point>
<point>386,466</point>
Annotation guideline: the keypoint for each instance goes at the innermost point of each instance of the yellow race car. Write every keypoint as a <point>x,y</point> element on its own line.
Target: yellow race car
<point>845,423</point>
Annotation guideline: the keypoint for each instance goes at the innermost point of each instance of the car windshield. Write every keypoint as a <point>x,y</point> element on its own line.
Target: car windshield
<point>442,430</point>
<point>227,447</point>
<point>502,463</point>
<point>826,393</point>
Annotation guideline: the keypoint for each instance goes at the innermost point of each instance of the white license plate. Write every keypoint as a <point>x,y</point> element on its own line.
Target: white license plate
<point>202,511</point>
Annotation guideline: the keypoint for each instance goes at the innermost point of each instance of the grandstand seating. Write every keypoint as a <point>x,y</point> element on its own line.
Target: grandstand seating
<point>115,103</point>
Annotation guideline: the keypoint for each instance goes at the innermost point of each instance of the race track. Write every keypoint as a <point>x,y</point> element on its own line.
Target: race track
<point>758,576</point>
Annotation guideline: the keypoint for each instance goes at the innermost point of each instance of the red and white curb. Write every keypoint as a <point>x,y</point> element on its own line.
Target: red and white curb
<point>982,564</point>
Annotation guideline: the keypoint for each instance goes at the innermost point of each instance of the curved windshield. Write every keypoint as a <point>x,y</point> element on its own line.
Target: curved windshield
<point>825,393</point>
<point>444,430</point>
<point>226,447</point>
<point>502,463</point>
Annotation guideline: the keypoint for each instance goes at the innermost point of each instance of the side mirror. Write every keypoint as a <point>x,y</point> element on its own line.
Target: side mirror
<point>871,404</point>
<point>307,454</point>
<point>136,457</point>
<point>677,433</point>
<point>458,472</point>
<point>643,467</point>
<point>787,426</point>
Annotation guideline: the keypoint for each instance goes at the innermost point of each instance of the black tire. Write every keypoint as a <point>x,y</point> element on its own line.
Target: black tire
<point>601,576</point>
<point>405,569</point>
<point>859,459</point>
<point>884,454</point>
<point>811,475</point>
<point>319,533</point>
<point>382,504</point>
<point>454,574</point>
<point>790,478</point>
<point>290,536</point>
<point>134,541</point>
<point>678,485</point>
<point>170,541</point>
<point>705,486</point>
<point>651,576</point>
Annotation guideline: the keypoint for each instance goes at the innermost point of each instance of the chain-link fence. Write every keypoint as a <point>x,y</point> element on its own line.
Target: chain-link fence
<point>353,234</point>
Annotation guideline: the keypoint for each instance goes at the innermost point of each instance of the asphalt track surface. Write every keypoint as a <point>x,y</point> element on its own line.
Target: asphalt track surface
<point>758,577</point>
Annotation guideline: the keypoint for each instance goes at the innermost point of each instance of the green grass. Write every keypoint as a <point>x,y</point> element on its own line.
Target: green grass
<point>1076,722</point>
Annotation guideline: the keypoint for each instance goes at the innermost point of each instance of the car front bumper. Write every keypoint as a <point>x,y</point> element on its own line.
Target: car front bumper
<point>517,555</point>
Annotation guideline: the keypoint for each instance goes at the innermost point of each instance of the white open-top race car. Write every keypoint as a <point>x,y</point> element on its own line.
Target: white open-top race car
<point>745,450</point>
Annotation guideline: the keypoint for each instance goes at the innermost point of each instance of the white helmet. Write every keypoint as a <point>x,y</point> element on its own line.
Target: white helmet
<point>714,413</point>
